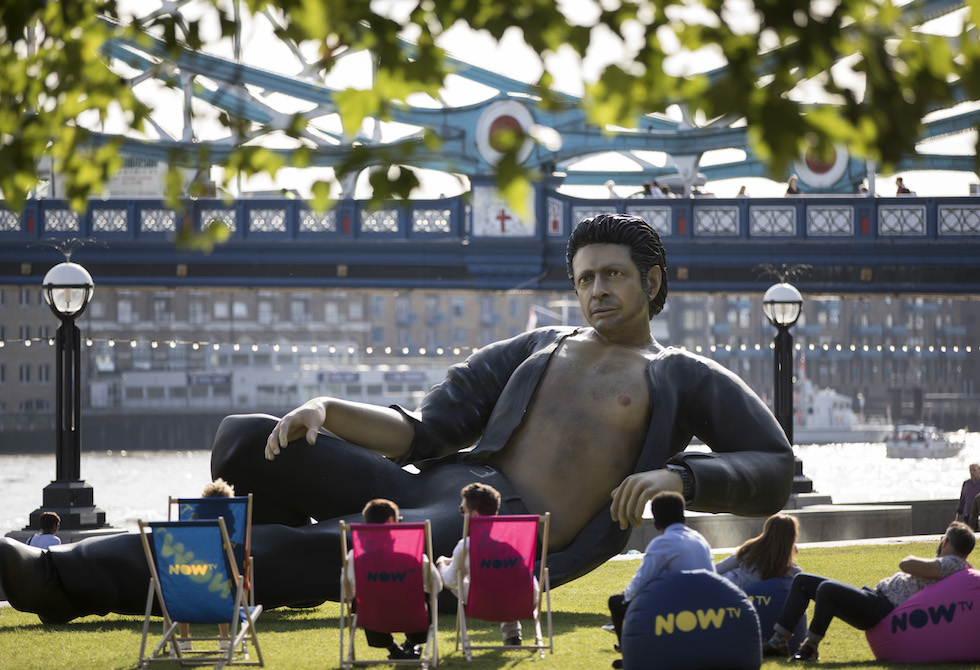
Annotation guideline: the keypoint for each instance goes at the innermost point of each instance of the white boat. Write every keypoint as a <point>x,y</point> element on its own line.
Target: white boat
<point>920,441</point>
<point>824,416</point>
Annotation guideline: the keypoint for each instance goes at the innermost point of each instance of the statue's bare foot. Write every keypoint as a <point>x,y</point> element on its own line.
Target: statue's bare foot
<point>31,583</point>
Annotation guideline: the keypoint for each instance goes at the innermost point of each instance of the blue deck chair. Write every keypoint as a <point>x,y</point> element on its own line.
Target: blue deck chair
<point>195,579</point>
<point>237,513</point>
<point>392,588</point>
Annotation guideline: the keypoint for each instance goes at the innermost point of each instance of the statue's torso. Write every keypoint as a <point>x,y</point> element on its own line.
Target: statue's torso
<point>582,433</point>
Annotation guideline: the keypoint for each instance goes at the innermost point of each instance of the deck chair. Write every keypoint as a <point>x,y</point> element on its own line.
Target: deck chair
<point>501,577</point>
<point>237,513</point>
<point>391,588</point>
<point>194,578</point>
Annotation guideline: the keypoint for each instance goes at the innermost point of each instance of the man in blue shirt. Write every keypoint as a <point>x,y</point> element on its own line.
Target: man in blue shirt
<point>676,548</point>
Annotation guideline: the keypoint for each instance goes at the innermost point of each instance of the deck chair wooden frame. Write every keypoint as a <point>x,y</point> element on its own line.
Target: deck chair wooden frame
<point>472,548</point>
<point>161,547</point>
<point>349,617</point>
<point>190,509</point>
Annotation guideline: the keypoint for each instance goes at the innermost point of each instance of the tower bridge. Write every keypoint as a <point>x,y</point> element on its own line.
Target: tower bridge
<point>852,245</point>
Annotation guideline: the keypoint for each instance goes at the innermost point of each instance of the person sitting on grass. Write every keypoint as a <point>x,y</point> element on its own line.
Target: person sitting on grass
<point>765,556</point>
<point>50,522</point>
<point>381,510</point>
<point>677,548</point>
<point>865,607</point>
<point>219,488</point>
<point>478,500</point>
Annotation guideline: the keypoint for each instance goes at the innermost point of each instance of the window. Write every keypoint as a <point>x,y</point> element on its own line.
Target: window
<point>124,311</point>
<point>331,313</point>
<point>177,357</point>
<point>379,306</point>
<point>266,314</point>
<point>458,306</point>
<point>378,335</point>
<point>25,332</point>
<point>25,373</point>
<point>221,310</point>
<point>239,310</point>
<point>25,297</point>
<point>3,373</point>
<point>355,311</point>
<point>142,357</point>
<point>299,310</point>
<point>161,310</point>
<point>403,308</point>
<point>104,357</point>
<point>431,306</point>
<point>195,311</point>
<point>44,373</point>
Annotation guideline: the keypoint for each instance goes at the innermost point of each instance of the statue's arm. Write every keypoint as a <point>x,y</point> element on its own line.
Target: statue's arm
<point>380,429</point>
<point>749,470</point>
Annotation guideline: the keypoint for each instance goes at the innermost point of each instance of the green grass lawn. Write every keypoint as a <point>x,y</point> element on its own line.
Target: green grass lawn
<point>310,638</point>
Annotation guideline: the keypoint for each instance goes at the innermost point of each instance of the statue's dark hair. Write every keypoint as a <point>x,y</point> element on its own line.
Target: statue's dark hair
<point>646,249</point>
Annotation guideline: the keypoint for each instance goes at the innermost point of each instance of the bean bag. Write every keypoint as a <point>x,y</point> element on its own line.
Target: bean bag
<point>939,624</point>
<point>768,597</point>
<point>688,620</point>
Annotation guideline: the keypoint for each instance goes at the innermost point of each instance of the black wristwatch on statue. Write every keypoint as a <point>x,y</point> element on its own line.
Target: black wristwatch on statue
<point>686,479</point>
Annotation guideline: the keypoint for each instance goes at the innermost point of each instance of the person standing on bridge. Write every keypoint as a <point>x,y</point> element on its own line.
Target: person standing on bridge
<point>589,423</point>
<point>863,608</point>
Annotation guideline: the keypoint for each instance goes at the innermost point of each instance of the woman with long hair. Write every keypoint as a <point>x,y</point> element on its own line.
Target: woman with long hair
<point>768,555</point>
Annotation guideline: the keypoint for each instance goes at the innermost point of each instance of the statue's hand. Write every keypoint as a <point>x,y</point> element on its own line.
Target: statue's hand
<point>630,497</point>
<point>306,419</point>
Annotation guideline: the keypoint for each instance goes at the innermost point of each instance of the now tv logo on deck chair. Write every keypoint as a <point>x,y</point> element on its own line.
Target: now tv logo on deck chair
<point>192,569</point>
<point>388,576</point>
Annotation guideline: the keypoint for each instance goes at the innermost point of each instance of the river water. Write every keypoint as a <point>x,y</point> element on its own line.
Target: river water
<point>131,485</point>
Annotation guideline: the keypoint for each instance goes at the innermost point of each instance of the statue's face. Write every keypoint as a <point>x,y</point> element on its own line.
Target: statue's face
<point>611,294</point>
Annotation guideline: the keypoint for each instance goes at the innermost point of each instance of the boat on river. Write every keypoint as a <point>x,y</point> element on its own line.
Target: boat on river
<point>824,416</point>
<point>920,441</point>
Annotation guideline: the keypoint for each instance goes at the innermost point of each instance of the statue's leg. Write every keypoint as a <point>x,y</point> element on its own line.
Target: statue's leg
<point>329,479</point>
<point>94,576</point>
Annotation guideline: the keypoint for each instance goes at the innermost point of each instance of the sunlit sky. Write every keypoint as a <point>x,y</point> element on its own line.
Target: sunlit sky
<point>513,58</point>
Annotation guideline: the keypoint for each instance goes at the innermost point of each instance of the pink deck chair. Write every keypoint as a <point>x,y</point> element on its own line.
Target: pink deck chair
<point>390,588</point>
<point>500,584</point>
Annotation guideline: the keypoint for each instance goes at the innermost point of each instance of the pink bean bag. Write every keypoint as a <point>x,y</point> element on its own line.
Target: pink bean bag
<point>939,624</point>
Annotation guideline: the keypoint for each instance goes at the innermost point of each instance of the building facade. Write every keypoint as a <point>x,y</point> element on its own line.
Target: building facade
<point>218,351</point>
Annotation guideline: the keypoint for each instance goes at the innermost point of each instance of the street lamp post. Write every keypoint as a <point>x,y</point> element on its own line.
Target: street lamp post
<point>782,304</point>
<point>68,288</point>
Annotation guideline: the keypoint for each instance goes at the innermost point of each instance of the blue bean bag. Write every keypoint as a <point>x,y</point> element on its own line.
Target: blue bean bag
<point>939,624</point>
<point>689,620</point>
<point>768,597</point>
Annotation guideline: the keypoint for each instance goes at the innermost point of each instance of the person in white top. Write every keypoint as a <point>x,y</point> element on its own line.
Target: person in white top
<point>50,522</point>
<point>863,608</point>
<point>381,510</point>
<point>477,500</point>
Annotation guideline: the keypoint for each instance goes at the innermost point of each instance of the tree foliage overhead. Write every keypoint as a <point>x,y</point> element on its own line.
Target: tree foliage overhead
<point>763,61</point>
